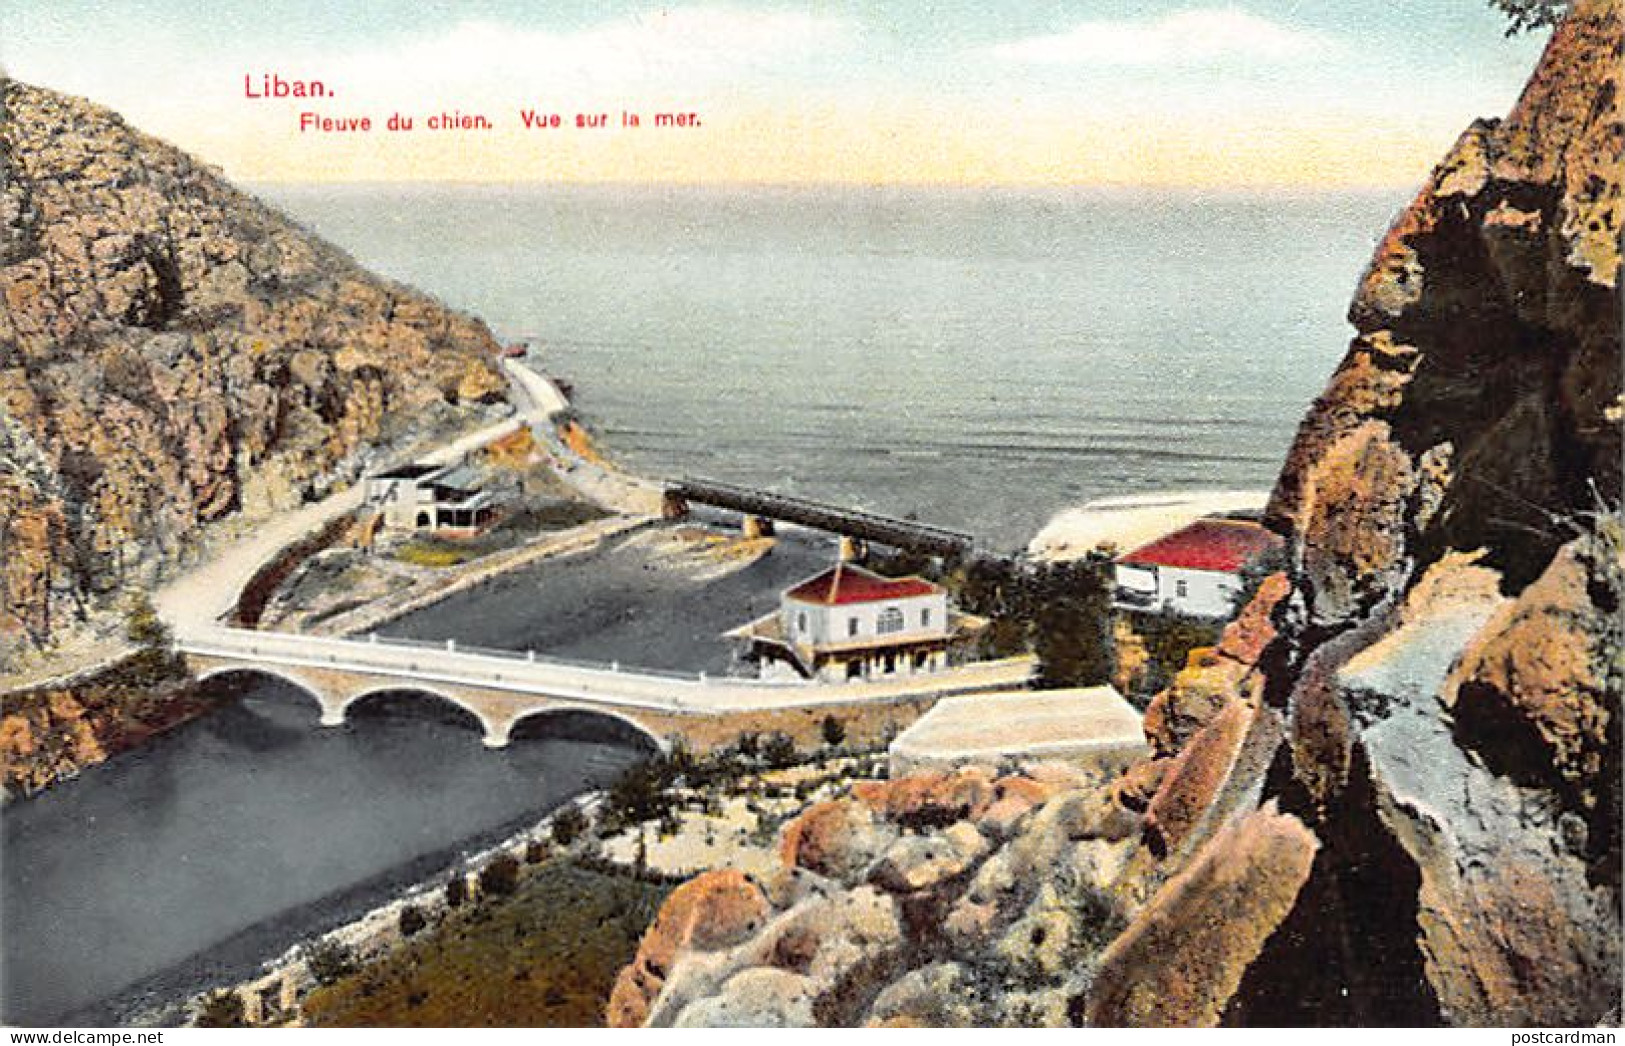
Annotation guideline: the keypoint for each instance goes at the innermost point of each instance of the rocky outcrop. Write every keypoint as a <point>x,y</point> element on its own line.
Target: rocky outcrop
<point>174,353</point>
<point>1391,794</point>
<point>876,883</point>
<point>1480,398</point>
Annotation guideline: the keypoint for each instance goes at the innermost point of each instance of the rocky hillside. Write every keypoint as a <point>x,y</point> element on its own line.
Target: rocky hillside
<point>173,353</point>
<point>1391,794</point>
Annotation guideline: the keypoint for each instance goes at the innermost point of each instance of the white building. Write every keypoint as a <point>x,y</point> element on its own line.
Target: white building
<point>850,623</point>
<point>437,499</point>
<point>1194,571</point>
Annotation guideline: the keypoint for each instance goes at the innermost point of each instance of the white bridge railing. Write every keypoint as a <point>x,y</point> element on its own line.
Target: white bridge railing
<point>539,676</point>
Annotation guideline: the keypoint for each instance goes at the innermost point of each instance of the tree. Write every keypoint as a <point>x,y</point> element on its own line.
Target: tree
<point>834,731</point>
<point>640,793</point>
<point>778,750</point>
<point>1529,15</point>
<point>568,824</point>
<point>143,625</point>
<point>500,877</point>
<point>1069,605</point>
<point>412,920</point>
<point>329,961</point>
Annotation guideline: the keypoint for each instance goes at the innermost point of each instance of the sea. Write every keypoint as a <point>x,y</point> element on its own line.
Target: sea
<point>974,358</point>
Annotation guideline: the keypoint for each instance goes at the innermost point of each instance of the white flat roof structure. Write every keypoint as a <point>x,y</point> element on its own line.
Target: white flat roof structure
<point>1093,728</point>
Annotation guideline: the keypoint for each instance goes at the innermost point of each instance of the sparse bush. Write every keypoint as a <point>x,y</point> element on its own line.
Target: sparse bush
<point>747,745</point>
<point>568,825</point>
<point>143,625</point>
<point>412,920</point>
<point>1527,15</point>
<point>834,731</point>
<point>221,1009</point>
<point>778,750</point>
<point>640,794</point>
<point>500,876</point>
<point>329,961</point>
<point>535,851</point>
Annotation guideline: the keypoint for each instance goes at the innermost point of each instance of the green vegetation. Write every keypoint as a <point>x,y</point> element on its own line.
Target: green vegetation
<point>434,552</point>
<point>1528,15</point>
<point>329,961</point>
<point>545,955</point>
<point>1059,611</point>
<point>1169,641</point>
<point>412,920</point>
<point>568,825</point>
<point>833,731</point>
<point>500,876</point>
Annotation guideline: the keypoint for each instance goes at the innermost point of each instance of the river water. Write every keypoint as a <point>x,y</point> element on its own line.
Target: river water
<point>227,840</point>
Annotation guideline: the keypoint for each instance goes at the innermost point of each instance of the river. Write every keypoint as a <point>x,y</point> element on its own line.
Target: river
<point>224,842</point>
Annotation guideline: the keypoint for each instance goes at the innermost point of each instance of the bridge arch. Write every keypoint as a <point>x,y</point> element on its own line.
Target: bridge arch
<point>415,689</point>
<point>613,726</point>
<point>324,703</point>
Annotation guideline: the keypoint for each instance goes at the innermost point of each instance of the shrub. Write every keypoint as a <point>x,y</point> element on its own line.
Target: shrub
<point>834,731</point>
<point>536,851</point>
<point>778,750</point>
<point>412,920</point>
<point>640,793</point>
<point>500,876</point>
<point>456,891</point>
<point>568,825</point>
<point>221,1009</point>
<point>329,961</point>
<point>1523,15</point>
<point>747,745</point>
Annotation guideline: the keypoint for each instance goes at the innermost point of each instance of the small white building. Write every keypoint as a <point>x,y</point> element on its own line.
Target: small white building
<point>1194,571</point>
<point>850,623</point>
<point>434,498</point>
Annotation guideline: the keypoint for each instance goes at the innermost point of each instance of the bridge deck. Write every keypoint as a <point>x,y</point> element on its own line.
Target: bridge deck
<point>514,680</point>
<point>870,526</point>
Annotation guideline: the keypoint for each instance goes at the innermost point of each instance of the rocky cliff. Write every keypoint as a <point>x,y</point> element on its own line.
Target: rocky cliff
<point>1391,794</point>
<point>174,353</point>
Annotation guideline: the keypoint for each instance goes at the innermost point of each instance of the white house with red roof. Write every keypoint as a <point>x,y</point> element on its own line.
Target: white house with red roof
<point>851,623</point>
<point>1194,571</point>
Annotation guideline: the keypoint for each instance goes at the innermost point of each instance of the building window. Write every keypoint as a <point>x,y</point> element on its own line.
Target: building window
<point>920,657</point>
<point>925,618</point>
<point>851,626</point>
<point>801,623</point>
<point>890,620</point>
<point>1180,589</point>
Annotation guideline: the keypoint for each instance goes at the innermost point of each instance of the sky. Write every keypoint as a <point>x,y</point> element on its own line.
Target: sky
<point>1288,94</point>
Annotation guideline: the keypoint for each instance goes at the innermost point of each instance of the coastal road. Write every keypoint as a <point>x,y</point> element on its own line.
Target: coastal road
<point>198,599</point>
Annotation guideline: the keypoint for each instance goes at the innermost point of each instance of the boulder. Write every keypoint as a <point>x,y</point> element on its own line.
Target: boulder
<point>1181,959</point>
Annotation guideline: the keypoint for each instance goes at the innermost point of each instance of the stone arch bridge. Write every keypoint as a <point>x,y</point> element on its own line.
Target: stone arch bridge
<point>501,689</point>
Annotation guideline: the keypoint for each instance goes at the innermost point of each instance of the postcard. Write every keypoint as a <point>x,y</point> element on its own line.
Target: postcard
<point>762,514</point>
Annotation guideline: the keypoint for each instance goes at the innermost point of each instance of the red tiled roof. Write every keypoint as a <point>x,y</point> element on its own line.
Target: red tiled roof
<point>845,583</point>
<point>1224,545</point>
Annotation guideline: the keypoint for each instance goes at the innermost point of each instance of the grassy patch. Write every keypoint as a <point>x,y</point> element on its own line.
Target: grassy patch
<point>428,552</point>
<point>544,956</point>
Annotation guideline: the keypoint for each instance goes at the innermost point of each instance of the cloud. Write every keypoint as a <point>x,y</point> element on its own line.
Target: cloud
<point>1195,37</point>
<point>687,46</point>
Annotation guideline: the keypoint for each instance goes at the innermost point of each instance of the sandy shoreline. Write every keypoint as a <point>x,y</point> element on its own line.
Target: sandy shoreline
<point>1127,522</point>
